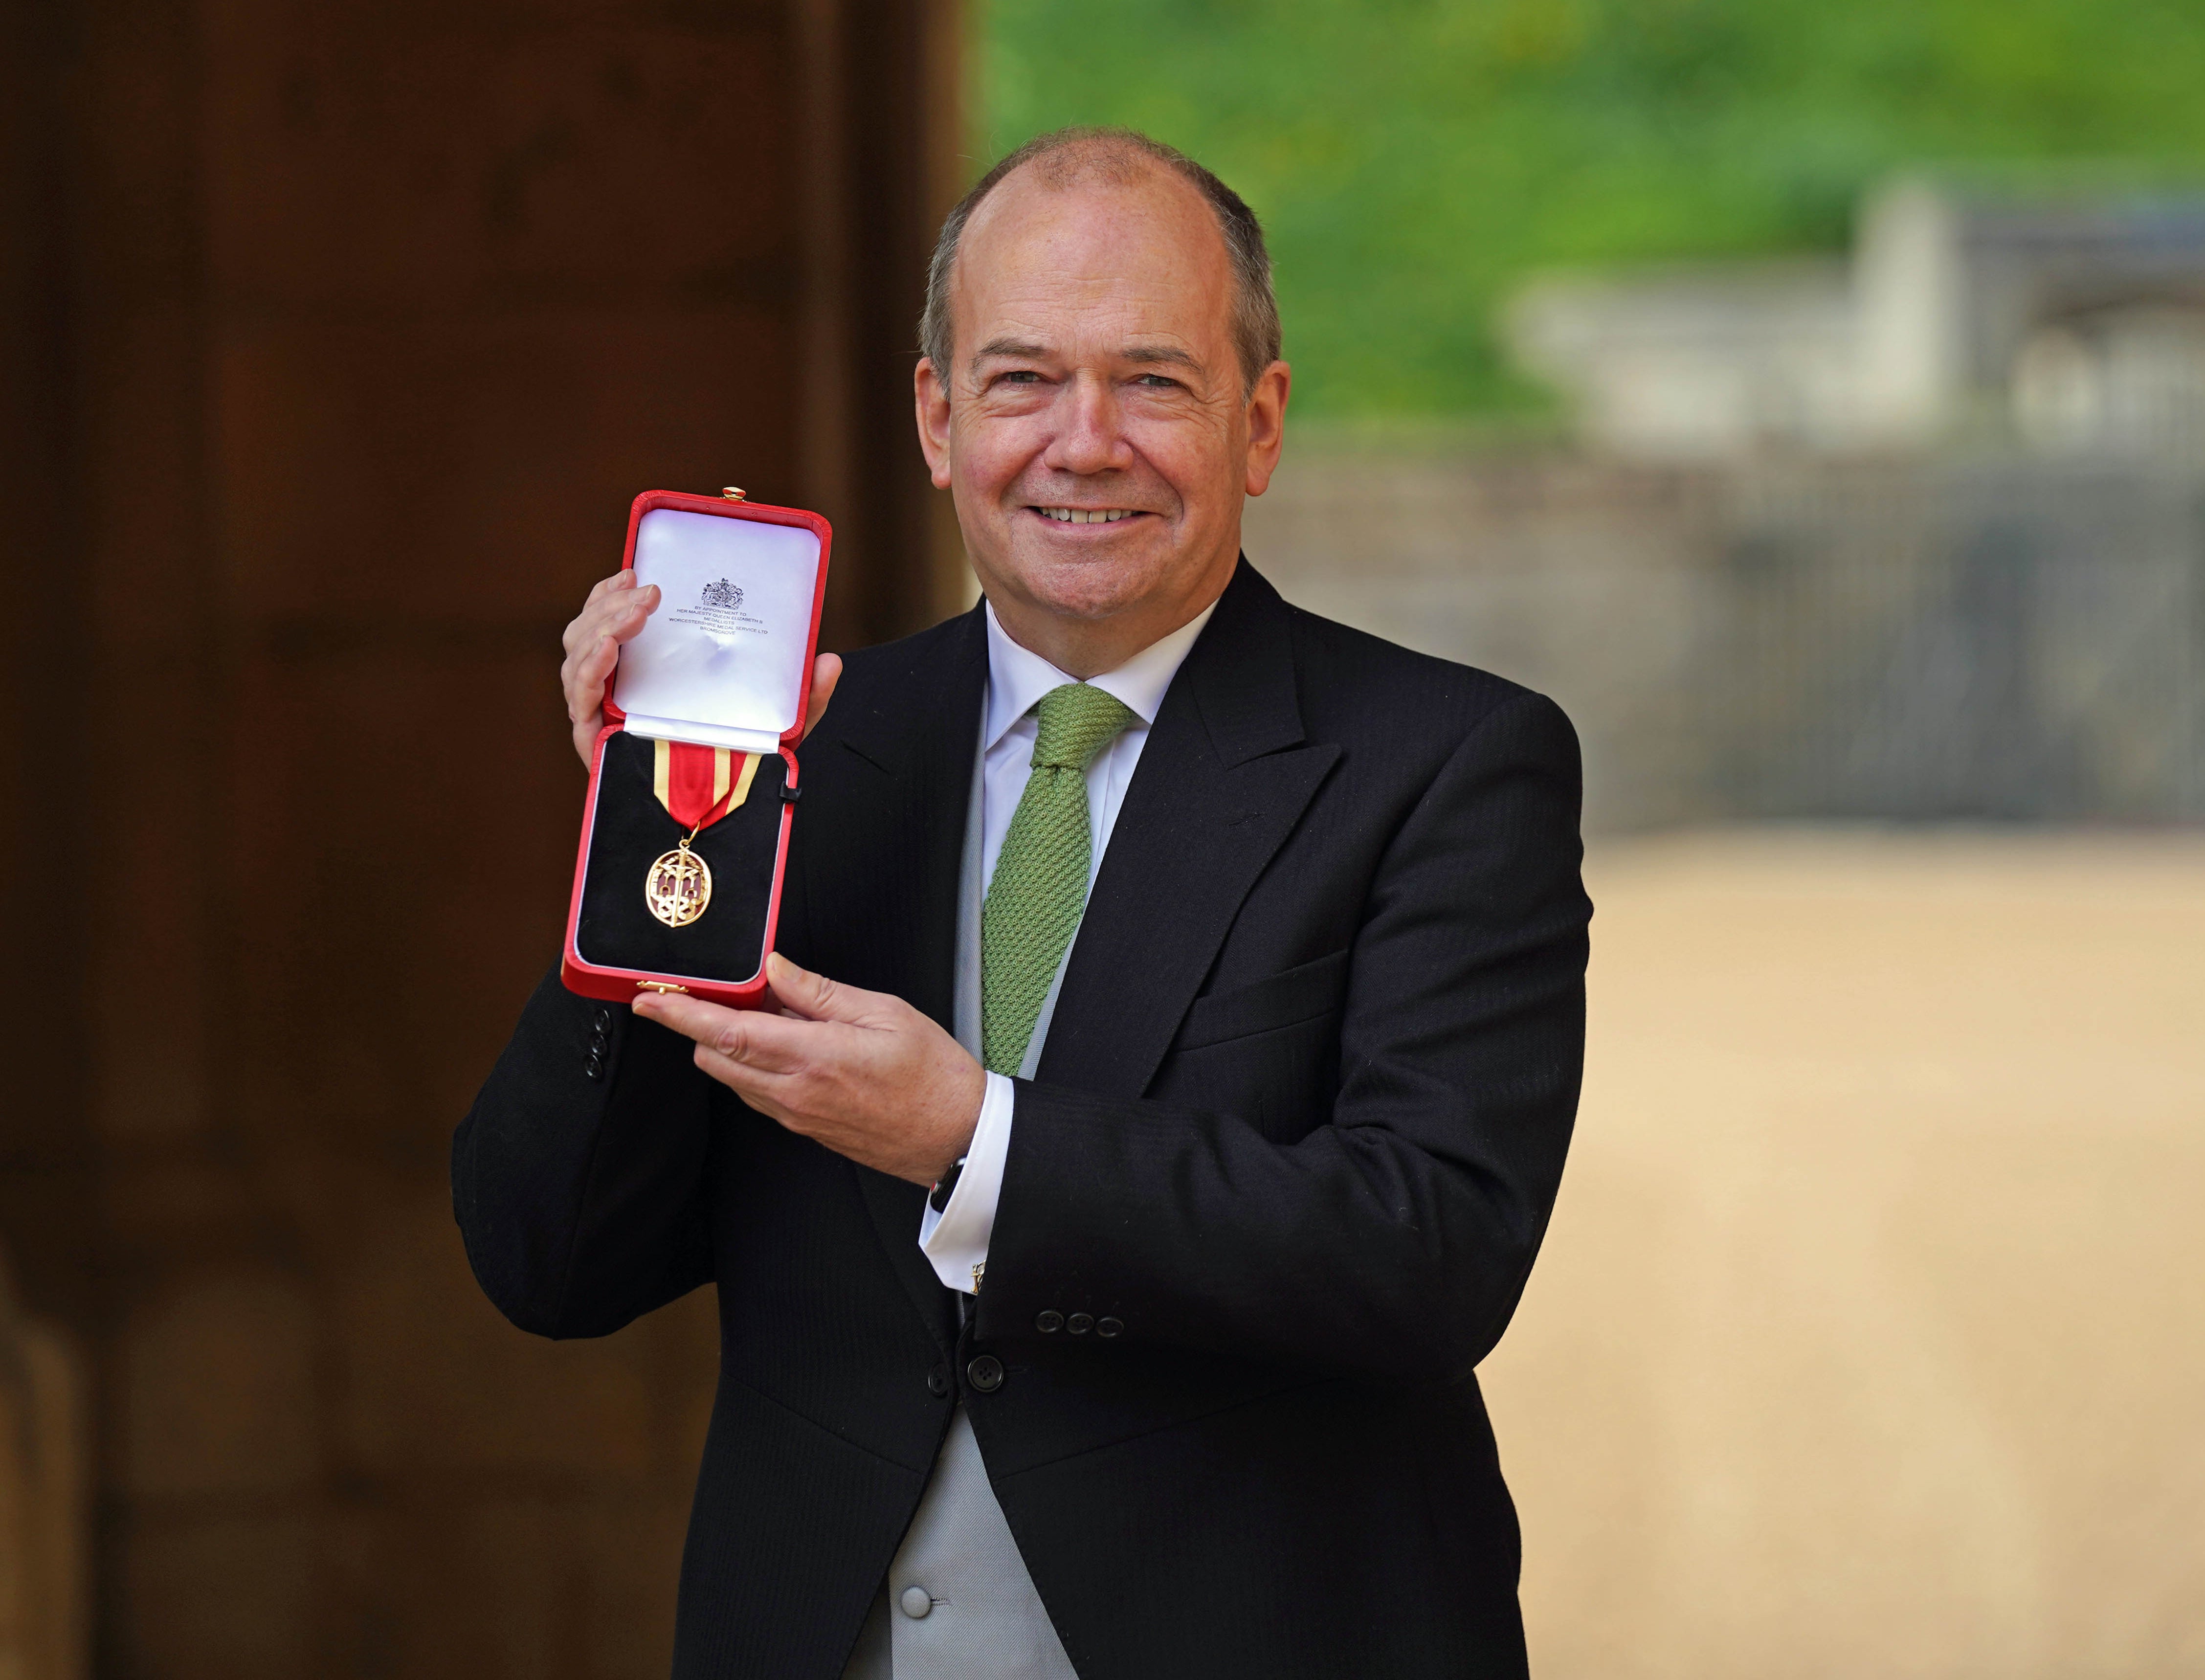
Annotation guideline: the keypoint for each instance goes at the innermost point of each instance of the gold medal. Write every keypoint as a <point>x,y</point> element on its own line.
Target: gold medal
<point>678,886</point>
<point>697,785</point>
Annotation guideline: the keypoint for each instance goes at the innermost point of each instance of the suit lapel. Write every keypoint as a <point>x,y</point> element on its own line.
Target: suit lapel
<point>904,844</point>
<point>902,820</point>
<point>1225,776</point>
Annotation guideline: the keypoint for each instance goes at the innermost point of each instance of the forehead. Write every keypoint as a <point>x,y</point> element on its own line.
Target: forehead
<point>1130,257</point>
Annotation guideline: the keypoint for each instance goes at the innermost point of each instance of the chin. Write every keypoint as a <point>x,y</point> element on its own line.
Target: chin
<point>1099,585</point>
<point>1089,588</point>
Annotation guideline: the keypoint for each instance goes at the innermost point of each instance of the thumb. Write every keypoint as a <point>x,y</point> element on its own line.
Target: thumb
<point>816,998</point>
<point>826,672</point>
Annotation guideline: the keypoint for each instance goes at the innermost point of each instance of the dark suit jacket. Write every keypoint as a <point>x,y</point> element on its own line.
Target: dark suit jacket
<point>1297,1126</point>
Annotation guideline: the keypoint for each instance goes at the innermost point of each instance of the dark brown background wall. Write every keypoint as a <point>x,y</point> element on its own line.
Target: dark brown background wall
<point>334,341</point>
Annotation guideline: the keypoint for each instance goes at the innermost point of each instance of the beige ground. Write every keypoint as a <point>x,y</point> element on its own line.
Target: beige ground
<point>1869,1339</point>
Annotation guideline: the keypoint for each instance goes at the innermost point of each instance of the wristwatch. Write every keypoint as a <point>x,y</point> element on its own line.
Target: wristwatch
<point>938,1198</point>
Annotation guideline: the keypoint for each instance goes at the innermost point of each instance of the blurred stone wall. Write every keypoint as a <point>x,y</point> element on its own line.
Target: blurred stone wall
<point>334,341</point>
<point>1935,638</point>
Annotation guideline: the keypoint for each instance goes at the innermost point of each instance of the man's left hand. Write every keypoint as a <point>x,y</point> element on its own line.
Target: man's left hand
<point>862,1072</point>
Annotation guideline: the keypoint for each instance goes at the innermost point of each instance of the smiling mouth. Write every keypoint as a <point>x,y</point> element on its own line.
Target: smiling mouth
<point>1087,515</point>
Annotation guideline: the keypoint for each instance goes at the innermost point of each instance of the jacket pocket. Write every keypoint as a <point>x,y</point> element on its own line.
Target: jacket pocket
<point>1301,993</point>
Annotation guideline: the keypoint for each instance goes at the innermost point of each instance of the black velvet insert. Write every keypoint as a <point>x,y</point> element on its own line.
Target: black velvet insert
<point>617,929</point>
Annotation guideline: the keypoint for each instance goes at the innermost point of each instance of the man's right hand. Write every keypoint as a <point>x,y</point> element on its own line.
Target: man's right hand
<point>614,612</point>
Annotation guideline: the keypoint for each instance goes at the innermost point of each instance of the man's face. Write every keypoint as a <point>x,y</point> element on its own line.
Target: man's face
<point>1093,429</point>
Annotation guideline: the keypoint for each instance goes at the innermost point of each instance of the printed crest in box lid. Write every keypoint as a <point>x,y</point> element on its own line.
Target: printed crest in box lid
<point>726,660</point>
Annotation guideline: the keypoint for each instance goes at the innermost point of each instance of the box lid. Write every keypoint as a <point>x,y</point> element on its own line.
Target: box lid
<point>726,660</point>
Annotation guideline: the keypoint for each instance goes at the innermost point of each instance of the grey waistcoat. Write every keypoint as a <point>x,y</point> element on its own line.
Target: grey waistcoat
<point>979,1617</point>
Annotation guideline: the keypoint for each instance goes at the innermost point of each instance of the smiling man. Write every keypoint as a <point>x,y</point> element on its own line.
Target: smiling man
<point>1178,1038</point>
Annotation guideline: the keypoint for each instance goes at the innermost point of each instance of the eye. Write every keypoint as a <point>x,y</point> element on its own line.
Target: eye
<point>1022,376</point>
<point>1156,382</point>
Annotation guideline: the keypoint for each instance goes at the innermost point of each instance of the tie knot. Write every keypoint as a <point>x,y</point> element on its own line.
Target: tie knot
<point>1074,722</point>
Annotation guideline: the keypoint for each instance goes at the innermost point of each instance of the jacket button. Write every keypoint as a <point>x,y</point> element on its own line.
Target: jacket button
<point>985,1373</point>
<point>1108,1328</point>
<point>604,1021</point>
<point>595,1067</point>
<point>1050,1322</point>
<point>937,1382</point>
<point>1080,1323</point>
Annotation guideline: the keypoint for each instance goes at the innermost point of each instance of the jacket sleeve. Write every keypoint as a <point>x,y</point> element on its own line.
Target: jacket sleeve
<point>577,1178</point>
<point>1394,1240</point>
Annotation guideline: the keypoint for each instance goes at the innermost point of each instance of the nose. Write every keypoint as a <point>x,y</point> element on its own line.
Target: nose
<point>1089,440</point>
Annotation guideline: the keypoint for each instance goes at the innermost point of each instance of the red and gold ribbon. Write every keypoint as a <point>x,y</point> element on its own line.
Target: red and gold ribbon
<point>698,785</point>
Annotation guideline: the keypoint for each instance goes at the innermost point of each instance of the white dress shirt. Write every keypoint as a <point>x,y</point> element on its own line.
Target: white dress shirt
<point>955,1240</point>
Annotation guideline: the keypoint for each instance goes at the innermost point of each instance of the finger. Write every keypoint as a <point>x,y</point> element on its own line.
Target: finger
<point>757,1088</point>
<point>597,661</point>
<point>622,615</point>
<point>591,662</point>
<point>761,1043</point>
<point>691,1017</point>
<point>604,590</point>
<point>586,680</point>
<point>814,997</point>
<point>638,604</point>
<point>826,672</point>
<point>628,606</point>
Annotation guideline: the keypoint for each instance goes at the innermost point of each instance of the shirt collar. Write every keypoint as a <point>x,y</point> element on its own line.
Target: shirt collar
<point>1017,677</point>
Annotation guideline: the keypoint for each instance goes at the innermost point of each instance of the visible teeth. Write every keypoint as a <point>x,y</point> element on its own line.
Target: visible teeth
<point>1088,515</point>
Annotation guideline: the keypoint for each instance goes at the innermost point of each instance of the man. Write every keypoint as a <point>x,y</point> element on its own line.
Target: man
<point>1219,969</point>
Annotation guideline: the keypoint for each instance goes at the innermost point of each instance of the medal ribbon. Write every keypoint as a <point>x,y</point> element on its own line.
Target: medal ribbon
<point>698,785</point>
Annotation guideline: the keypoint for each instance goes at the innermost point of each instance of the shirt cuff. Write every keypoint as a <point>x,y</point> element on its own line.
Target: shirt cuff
<point>955,1240</point>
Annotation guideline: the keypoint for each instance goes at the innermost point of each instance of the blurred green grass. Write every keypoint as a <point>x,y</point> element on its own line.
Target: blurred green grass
<point>1414,159</point>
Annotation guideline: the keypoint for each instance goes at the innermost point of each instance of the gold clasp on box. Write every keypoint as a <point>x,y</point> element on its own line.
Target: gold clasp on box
<point>660,986</point>
<point>732,493</point>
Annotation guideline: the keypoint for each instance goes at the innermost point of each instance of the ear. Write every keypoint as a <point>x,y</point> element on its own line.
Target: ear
<point>930,401</point>
<point>1266,425</point>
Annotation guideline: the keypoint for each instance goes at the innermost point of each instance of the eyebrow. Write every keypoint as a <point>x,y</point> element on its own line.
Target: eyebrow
<point>1147,355</point>
<point>1019,349</point>
<point>1161,355</point>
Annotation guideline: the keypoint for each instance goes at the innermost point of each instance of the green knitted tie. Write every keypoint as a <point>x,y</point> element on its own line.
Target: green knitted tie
<point>1040,885</point>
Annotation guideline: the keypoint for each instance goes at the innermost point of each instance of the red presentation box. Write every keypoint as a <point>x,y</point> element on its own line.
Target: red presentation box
<point>710,696</point>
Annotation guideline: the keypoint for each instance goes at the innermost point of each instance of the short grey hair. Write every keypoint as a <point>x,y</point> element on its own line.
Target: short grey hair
<point>1118,156</point>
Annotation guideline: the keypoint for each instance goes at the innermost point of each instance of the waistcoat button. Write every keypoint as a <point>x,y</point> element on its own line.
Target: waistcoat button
<point>916,1602</point>
<point>937,1382</point>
